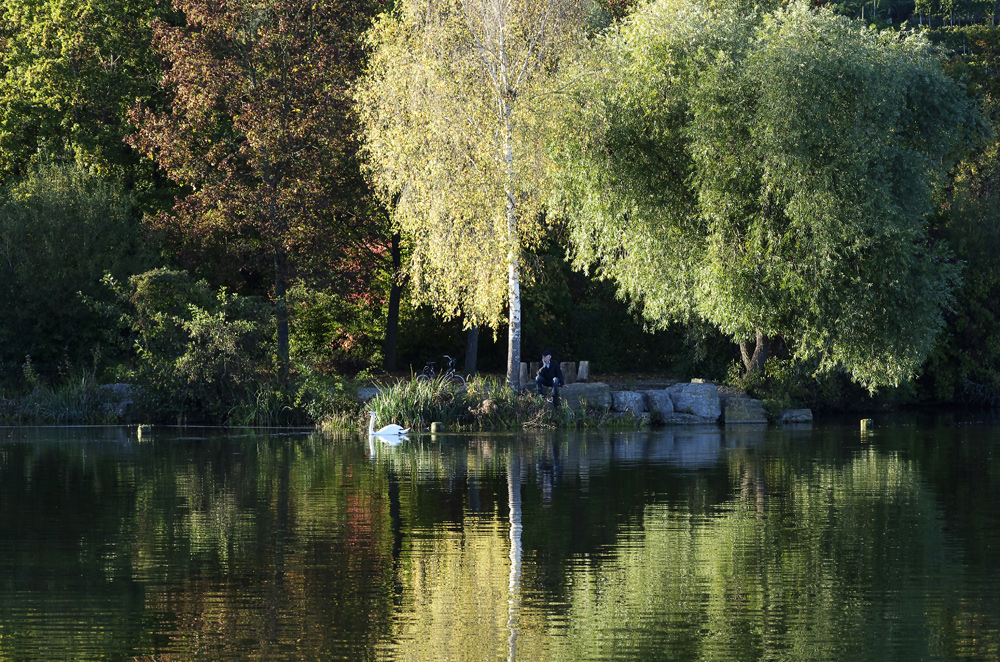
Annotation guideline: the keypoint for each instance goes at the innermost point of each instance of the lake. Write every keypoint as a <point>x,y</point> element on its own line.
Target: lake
<point>796,543</point>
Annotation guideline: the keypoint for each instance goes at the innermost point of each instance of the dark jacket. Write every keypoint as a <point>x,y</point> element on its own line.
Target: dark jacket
<point>552,371</point>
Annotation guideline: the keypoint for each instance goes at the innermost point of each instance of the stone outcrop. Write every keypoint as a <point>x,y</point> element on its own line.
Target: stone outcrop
<point>701,400</point>
<point>596,394</point>
<point>366,393</point>
<point>744,410</point>
<point>659,404</point>
<point>628,401</point>
<point>796,416</point>
<point>678,418</point>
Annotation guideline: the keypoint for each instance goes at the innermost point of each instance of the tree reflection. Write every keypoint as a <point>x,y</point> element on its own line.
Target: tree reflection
<point>703,544</point>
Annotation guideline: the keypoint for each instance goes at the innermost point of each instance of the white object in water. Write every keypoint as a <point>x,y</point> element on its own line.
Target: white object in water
<point>391,430</point>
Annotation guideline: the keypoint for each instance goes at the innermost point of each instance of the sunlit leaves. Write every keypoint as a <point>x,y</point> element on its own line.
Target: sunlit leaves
<point>455,108</point>
<point>69,69</point>
<point>769,173</point>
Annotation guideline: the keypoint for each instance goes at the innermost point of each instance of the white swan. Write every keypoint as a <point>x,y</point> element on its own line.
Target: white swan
<point>391,430</point>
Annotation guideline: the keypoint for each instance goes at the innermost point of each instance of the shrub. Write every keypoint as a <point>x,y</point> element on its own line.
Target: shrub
<point>61,228</point>
<point>200,357</point>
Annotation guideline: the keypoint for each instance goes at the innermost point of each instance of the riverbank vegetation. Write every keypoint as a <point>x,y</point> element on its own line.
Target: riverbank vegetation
<point>207,202</point>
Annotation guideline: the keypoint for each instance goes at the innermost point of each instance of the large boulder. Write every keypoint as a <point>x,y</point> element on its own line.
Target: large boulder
<point>659,403</point>
<point>366,393</point>
<point>628,401</point>
<point>744,410</point>
<point>596,394</point>
<point>701,400</point>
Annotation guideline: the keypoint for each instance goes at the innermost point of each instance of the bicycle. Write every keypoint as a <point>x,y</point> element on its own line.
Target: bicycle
<point>450,376</point>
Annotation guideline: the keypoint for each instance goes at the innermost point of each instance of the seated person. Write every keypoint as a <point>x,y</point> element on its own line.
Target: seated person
<point>549,375</point>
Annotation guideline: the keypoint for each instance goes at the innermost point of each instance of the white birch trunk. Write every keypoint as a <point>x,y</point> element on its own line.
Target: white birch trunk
<point>505,94</point>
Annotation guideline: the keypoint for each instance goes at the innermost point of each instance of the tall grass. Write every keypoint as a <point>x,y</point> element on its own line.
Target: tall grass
<point>418,403</point>
<point>77,401</point>
<point>486,403</point>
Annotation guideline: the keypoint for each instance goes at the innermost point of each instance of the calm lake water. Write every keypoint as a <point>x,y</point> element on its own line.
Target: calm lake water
<point>689,544</point>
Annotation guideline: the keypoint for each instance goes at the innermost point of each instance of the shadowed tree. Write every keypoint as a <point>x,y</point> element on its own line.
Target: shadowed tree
<point>257,127</point>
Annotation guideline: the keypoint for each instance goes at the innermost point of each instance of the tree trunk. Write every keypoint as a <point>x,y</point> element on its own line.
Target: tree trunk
<point>755,352</point>
<point>471,350</point>
<point>281,312</point>
<point>392,320</point>
<point>514,320</point>
<point>506,98</point>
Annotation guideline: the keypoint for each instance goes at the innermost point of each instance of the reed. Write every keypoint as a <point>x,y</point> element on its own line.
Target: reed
<point>77,401</point>
<point>485,403</point>
<point>418,403</point>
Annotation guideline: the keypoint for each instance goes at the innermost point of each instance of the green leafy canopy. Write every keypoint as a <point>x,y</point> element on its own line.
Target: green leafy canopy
<point>769,173</point>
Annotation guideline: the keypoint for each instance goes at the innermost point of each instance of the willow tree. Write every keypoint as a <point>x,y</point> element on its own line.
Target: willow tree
<point>771,175</point>
<point>455,108</point>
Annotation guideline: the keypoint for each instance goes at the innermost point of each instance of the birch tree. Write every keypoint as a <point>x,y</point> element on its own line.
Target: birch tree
<point>455,108</point>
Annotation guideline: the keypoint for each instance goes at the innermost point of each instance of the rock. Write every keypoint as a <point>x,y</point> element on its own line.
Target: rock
<point>527,380</point>
<point>796,416</point>
<point>683,419</point>
<point>583,372</point>
<point>659,404</point>
<point>569,371</point>
<point>119,399</point>
<point>366,393</point>
<point>628,401</point>
<point>744,410</point>
<point>727,393</point>
<point>596,395</point>
<point>702,400</point>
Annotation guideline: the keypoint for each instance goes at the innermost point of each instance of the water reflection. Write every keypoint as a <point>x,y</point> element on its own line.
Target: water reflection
<point>702,543</point>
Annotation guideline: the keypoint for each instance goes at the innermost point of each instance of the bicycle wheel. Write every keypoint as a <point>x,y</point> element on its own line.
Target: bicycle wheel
<point>456,379</point>
<point>423,377</point>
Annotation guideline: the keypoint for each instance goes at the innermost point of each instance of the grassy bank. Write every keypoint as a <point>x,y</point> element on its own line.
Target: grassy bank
<point>486,403</point>
<point>78,402</point>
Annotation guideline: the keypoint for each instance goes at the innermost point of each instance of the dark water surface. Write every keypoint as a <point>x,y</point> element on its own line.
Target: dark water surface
<point>694,544</point>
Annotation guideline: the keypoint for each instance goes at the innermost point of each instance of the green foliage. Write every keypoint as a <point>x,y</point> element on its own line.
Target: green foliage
<point>769,173</point>
<point>62,228</point>
<point>580,318</point>
<point>69,69</point>
<point>198,354</point>
<point>965,364</point>
<point>333,332</point>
